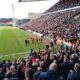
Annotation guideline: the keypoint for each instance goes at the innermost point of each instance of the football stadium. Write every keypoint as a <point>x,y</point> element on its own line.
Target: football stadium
<point>43,44</point>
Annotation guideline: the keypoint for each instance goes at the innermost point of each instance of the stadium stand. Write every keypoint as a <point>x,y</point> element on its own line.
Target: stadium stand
<point>22,21</point>
<point>63,4</point>
<point>65,24</point>
<point>6,21</point>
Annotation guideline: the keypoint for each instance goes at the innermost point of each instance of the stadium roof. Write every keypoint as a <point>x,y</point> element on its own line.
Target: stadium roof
<point>30,0</point>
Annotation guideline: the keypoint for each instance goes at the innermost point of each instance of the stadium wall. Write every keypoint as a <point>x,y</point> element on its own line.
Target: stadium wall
<point>34,15</point>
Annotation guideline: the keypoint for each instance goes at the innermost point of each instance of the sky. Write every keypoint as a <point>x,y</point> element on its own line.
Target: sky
<point>22,9</point>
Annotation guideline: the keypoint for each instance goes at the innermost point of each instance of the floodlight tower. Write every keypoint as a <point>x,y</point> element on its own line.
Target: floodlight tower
<point>14,19</point>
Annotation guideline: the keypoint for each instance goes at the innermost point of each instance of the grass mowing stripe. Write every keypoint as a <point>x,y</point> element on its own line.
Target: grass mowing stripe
<point>12,41</point>
<point>5,43</point>
<point>8,42</point>
<point>1,31</point>
<point>22,37</point>
<point>17,40</point>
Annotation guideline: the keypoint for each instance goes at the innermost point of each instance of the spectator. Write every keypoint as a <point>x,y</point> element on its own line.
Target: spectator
<point>65,67</point>
<point>75,75</point>
<point>50,74</point>
<point>20,72</point>
<point>29,74</point>
<point>1,74</point>
<point>12,74</point>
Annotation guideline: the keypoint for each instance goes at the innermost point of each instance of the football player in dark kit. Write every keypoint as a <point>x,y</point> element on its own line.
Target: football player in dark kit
<point>26,42</point>
<point>51,45</point>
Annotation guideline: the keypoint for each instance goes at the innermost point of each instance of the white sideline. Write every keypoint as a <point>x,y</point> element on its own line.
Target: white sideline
<point>35,33</point>
<point>12,54</point>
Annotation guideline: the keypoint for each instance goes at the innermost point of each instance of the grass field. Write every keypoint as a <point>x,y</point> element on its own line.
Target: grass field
<point>12,43</point>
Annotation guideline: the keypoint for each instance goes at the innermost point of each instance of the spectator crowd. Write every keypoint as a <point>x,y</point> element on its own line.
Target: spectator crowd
<point>44,65</point>
<point>65,24</point>
<point>64,4</point>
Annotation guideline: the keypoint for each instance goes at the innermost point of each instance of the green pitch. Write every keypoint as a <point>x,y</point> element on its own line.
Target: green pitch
<point>12,43</point>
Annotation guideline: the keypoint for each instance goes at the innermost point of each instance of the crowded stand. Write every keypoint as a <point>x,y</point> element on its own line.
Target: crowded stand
<point>64,4</point>
<point>64,64</point>
<point>65,24</point>
<point>21,22</point>
<point>44,64</point>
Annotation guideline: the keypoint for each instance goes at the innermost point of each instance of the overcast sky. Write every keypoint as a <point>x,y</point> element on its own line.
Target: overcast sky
<point>21,10</point>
